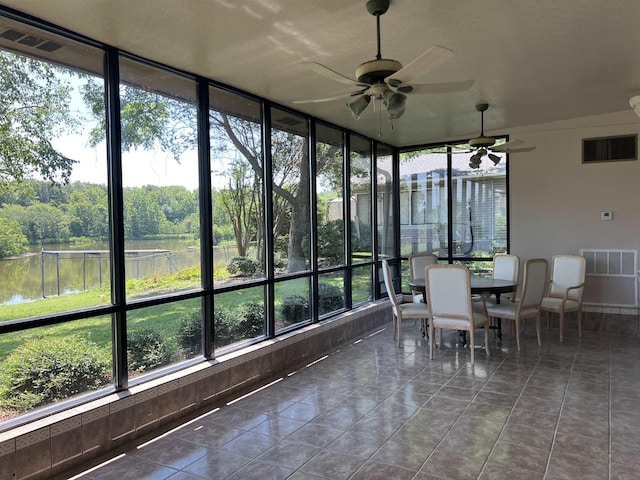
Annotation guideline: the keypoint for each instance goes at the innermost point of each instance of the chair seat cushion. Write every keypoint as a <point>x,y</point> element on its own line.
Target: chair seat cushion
<point>414,309</point>
<point>553,304</point>
<point>459,324</point>
<point>508,310</point>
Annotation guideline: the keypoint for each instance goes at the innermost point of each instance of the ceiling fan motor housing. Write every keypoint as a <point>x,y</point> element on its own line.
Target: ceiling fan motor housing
<point>375,71</point>
<point>482,141</point>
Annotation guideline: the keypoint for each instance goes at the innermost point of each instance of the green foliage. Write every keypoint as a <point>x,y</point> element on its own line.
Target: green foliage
<point>189,334</point>
<point>12,240</point>
<point>331,243</point>
<point>36,108</point>
<point>234,325</point>
<point>146,350</point>
<point>41,223</point>
<point>243,266</point>
<point>294,309</point>
<point>330,298</point>
<point>43,371</point>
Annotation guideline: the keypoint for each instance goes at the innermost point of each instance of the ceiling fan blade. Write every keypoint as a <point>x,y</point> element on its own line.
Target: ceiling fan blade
<point>328,73</point>
<point>425,88</point>
<point>507,146</point>
<point>514,150</point>
<point>430,59</point>
<point>329,99</point>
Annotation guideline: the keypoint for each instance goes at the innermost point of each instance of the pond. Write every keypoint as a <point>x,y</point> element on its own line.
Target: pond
<point>76,268</point>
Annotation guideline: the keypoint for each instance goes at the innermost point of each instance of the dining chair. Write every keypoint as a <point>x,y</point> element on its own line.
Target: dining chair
<point>417,264</point>
<point>448,289</point>
<point>506,266</point>
<point>565,288</point>
<point>402,310</point>
<point>528,305</point>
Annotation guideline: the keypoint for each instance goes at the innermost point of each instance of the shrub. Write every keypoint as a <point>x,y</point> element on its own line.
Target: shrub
<point>330,298</point>
<point>46,370</point>
<point>331,243</point>
<point>294,308</point>
<point>189,334</point>
<point>243,266</point>
<point>232,326</point>
<point>147,349</point>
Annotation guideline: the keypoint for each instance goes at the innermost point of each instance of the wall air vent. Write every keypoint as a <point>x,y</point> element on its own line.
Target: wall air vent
<point>30,40</point>
<point>610,149</point>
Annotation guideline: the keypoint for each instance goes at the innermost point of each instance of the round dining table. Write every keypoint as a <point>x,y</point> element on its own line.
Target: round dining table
<point>479,286</point>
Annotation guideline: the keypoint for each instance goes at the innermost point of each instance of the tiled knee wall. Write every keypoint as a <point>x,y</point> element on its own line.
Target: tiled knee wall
<point>57,443</point>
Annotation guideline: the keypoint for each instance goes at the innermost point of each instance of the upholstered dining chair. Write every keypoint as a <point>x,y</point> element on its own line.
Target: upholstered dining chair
<point>402,311</point>
<point>528,305</point>
<point>565,288</point>
<point>417,264</point>
<point>448,289</point>
<point>506,266</point>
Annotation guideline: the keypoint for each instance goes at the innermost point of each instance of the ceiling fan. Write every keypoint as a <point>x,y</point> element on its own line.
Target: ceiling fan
<point>481,146</point>
<point>385,80</point>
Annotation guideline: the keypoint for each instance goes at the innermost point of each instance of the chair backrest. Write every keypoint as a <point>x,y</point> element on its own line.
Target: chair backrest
<point>534,283</point>
<point>506,267</point>
<point>567,271</point>
<point>388,283</point>
<point>419,261</point>
<point>448,289</point>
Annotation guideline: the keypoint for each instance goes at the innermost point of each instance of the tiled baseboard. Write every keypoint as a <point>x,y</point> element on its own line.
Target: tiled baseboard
<point>54,444</point>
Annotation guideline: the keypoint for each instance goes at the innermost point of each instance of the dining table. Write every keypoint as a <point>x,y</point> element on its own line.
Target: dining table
<point>479,286</point>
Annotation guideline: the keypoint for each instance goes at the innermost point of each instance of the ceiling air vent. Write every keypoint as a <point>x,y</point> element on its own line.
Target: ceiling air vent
<point>30,40</point>
<point>610,149</point>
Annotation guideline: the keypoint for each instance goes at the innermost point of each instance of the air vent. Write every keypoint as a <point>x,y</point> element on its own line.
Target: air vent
<point>610,149</point>
<point>30,40</point>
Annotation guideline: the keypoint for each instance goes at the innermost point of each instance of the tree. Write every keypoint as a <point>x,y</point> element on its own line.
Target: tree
<point>12,240</point>
<point>88,211</point>
<point>242,202</point>
<point>34,108</point>
<point>142,213</point>
<point>41,223</point>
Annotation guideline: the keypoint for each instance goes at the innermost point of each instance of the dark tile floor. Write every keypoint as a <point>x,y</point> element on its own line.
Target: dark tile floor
<point>371,410</point>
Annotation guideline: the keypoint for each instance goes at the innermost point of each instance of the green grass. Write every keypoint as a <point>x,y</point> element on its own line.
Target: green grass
<point>163,318</point>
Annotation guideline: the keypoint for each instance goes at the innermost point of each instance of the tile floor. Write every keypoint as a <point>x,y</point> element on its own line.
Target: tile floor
<point>370,410</point>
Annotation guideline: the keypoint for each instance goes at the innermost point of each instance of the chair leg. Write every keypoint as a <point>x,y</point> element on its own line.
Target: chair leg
<point>580,322</point>
<point>432,339</point>
<point>517,325</point>
<point>561,325</point>
<point>538,327</point>
<point>486,339</point>
<point>472,345</point>
<point>399,329</point>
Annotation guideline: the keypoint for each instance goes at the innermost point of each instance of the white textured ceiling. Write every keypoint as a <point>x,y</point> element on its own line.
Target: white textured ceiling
<point>532,61</point>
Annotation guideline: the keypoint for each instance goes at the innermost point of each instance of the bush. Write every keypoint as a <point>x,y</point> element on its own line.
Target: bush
<point>46,370</point>
<point>331,242</point>
<point>330,298</point>
<point>189,334</point>
<point>243,266</point>
<point>294,309</point>
<point>147,349</point>
<point>244,323</point>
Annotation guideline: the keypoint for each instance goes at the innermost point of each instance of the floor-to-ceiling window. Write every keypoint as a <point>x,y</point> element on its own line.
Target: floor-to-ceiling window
<point>237,199</point>
<point>451,208</point>
<point>150,218</point>
<point>54,220</point>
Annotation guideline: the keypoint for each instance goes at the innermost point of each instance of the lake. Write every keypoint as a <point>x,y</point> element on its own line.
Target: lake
<point>74,268</point>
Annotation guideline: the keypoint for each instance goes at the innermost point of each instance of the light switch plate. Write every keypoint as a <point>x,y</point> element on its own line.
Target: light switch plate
<point>606,215</point>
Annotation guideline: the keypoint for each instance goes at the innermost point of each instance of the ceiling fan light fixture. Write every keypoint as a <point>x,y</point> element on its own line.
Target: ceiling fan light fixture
<point>358,105</point>
<point>394,103</point>
<point>494,158</point>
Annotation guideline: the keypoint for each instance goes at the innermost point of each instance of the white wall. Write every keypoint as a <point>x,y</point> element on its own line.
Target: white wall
<point>556,200</point>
